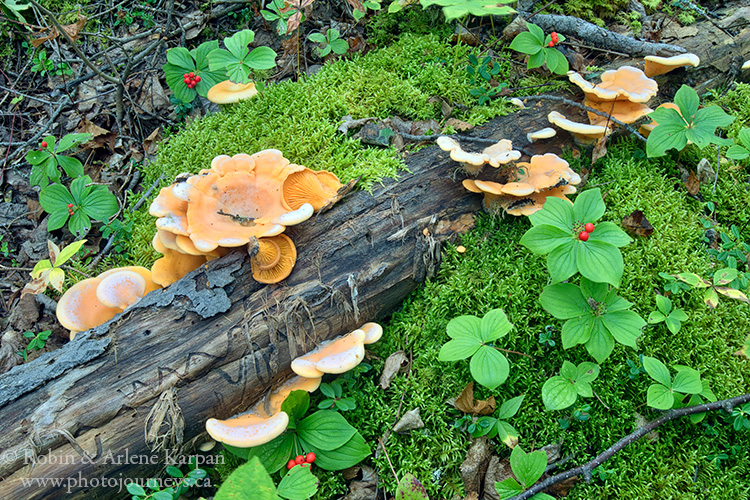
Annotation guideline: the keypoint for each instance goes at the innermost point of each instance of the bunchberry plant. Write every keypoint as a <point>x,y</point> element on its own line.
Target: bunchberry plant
<point>661,395</point>
<point>718,285</point>
<point>187,72</point>
<point>545,338</point>
<point>541,49</point>
<point>77,206</point>
<point>558,233</point>
<point>497,425</point>
<point>698,126</point>
<point>527,468</point>
<point>36,342</point>
<point>454,9</point>
<point>46,160</point>
<point>596,316</point>
<point>481,73</point>
<point>49,271</point>
<point>741,417</point>
<point>334,397</point>
<point>330,42</point>
<point>673,318</point>
<point>472,337</point>
<point>275,11</point>
<point>740,152</point>
<point>635,368</point>
<point>237,61</point>
<point>562,391</point>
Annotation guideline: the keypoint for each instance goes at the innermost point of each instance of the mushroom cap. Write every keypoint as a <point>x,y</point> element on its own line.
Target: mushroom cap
<point>446,143</point>
<point>373,332</point>
<point>228,92</point>
<point>476,159</point>
<point>515,101</point>
<point>335,356</point>
<point>517,189</point>
<point>746,65</point>
<point>121,289</point>
<point>656,65</point>
<point>547,171</point>
<point>501,153</point>
<point>489,187</point>
<point>274,260</point>
<point>471,186</point>
<point>584,133</point>
<point>624,83</point>
<point>165,240</point>
<point>241,162</point>
<point>310,186</point>
<point>625,111</point>
<point>173,266</point>
<point>246,431</point>
<point>79,309</point>
<point>544,133</point>
<point>535,201</point>
<point>146,273</point>
<point>167,203</point>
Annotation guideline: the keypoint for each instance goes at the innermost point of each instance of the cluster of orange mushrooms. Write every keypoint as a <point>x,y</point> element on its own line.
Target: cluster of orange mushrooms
<point>241,200</point>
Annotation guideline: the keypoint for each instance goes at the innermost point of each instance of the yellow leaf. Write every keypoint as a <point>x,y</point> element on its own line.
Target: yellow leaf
<point>53,250</point>
<point>56,278</point>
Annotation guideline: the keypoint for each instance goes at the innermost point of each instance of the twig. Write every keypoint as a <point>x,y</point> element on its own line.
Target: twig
<point>514,352</point>
<point>585,469</point>
<point>608,51</point>
<point>600,400</point>
<point>393,471</point>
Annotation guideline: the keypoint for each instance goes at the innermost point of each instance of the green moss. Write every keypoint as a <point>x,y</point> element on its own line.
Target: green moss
<point>497,272</point>
<point>385,28</point>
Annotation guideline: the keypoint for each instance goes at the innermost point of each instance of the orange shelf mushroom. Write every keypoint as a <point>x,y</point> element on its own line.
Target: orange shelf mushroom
<point>624,111</point>
<point>310,186</point>
<point>228,92</point>
<point>624,83</point>
<point>545,175</point>
<point>94,301</point>
<point>248,430</point>
<point>656,65</point>
<point>647,128</point>
<point>496,154</point>
<point>274,259</point>
<point>582,132</point>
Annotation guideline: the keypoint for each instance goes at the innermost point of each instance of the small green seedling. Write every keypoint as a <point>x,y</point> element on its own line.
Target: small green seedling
<point>596,316</point>
<point>672,284</point>
<point>367,4</point>
<point>716,286</point>
<point>698,126</point>
<point>737,152</point>
<point>661,395</point>
<point>673,318</point>
<point>47,158</point>
<point>741,417</point>
<point>334,399</point>
<point>409,488</point>
<point>48,271</point>
<point>472,337</point>
<point>541,49</point>
<point>329,42</point>
<point>182,483</point>
<point>454,9</point>
<point>78,205</point>
<point>528,468</point>
<point>481,73</point>
<point>635,369</point>
<point>562,391</point>
<point>237,61</point>
<point>276,11</point>
<point>557,232</point>
<point>37,342</point>
<point>497,425</point>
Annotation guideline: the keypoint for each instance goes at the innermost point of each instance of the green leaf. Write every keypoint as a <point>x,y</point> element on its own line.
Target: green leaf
<point>673,325</point>
<point>544,238</point>
<point>564,301</point>
<point>409,488</point>
<point>79,223</point>
<point>687,381</point>
<point>725,276</point>
<point>625,326</point>
<point>608,232</point>
<point>135,489</point>
<point>273,455</point>
<point>687,100</point>
<point>72,166</point>
<point>535,60</point>
<point>587,372</point>
<point>657,371</point>
<point>561,261</point>
<point>50,169</point>
<point>68,252</point>
<point>238,43</point>
<point>584,389</point>
<point>489,367</point>
<point>599,261</point>
<point>568,371</point>
<point>711,298</point>
<point>99,203</point>
<point>509,408</point>
<point>744,137</point>
<point>555,212</point>
<point>70,140</point>
<point>494,326</point>
<point>737,153</point>
<point>556,62</point>
<point>182,60</point>
<point>466,325</point>
<point>664,137</point>
<point>659,397</point>
<point>656,317</point>
<point>325,430</point>
<point>692,279</point>
<point>710,117</point>
<point>528,467</point>
<point>249,481</point>
<point>578,330</point>
<point>339,46</point>
<point>600,344</point>
<point>264,58</point>
<point>459,348</point>
<point>506,433</point>
<point>558,393</point>
<point>176,82</point>
<point>537,32</point>
<point>732,294</point>
<point>201,55</point>
<point>317,37</point>
<point>508,488</point>
<point>589,206</point>
<point>663,304</point>
<point>349,454</point>
<point>296,404</point>
<point>78,188</point>
<point>526,43</point>
<point>297,484</point>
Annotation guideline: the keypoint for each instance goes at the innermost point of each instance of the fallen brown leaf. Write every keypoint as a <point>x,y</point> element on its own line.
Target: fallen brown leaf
<point>151,143</point>
<point>102,136</point>
<point>458,124</point>
<point>562,488</point>
<point>692,184</point>
<point>600,149</point>
<point>393,365</point>
<point>466,403</point>
<point>637,224</point>
<point>71,29</point>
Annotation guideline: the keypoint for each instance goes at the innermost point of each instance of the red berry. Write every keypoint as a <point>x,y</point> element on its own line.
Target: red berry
<point>70,205</point>
<point>43,144</point>
<point>589,227</point>
<point>554,36</point>
<point>290,464</point>
<point>299,459</point>
<point>583,236</point>
<point>197,79</point>
<point>551,44</point>
<point>310,457</point>
<point>191,74</point>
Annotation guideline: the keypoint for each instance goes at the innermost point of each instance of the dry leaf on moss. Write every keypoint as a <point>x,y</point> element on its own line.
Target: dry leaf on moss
<point>692,184</point>
<point>393,365</point>
<point>467,404</point>
<point>637,224</point>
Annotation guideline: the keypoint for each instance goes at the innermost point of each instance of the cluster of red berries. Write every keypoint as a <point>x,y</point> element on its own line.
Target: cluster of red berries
<point>70,208</point>
<point>191,79</point>
<point>587,228</point>
<point>42,145</point>
<point>555,39</point>
<point>302,460</point>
